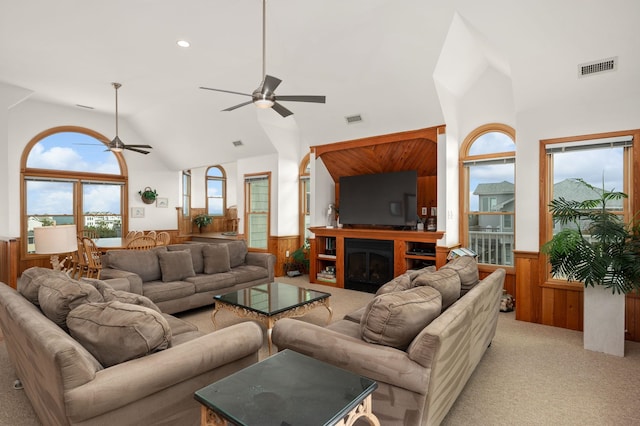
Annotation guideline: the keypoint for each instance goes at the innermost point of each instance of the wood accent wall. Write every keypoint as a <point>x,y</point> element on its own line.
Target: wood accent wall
<point>559,305</point>
<point>411,150</point>
<point>279,245</point>
<point>9,255</point>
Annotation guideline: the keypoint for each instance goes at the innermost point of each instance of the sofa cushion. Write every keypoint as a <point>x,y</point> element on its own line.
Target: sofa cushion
<point>176,265</point>
<point>159,291</point>
<point>59,294</point>
<point>395,319</point>
<point>115,332</point>
<point>237,252</point>
<point>110,294</point>
<point>196,254</point>
<point>246,273</point>
<point>27,284</point>
<point>216,258</point>
<point>467,269</point>
<point>446,281</point>
<point>209,282</point>
<point>143,263</point>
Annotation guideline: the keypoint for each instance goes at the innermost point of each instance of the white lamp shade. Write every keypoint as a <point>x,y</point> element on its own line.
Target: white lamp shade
<point>55,239</point>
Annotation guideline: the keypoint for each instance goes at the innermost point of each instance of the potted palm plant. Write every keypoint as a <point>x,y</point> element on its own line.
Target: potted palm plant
<point>599,249</point>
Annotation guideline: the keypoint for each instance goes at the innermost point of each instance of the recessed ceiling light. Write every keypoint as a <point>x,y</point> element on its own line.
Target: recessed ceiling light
<point>183,43</point>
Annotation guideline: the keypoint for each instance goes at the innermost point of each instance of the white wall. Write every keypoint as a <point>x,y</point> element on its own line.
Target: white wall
<point>29,118</point>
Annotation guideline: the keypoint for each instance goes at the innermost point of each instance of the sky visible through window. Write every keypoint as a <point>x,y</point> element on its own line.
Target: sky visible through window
<point>72,151</point>
<point>489,143</point>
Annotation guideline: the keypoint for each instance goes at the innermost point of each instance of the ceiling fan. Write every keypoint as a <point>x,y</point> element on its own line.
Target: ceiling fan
<point>116,145</point>
<point>264,96</point>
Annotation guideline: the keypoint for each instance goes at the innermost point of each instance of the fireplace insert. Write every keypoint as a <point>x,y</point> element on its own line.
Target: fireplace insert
<point>368,264</point>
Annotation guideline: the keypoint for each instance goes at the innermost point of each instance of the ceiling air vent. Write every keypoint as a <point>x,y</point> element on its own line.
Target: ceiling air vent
<point>353,119</point>
<point>597,67</point>
<point>237,143</point>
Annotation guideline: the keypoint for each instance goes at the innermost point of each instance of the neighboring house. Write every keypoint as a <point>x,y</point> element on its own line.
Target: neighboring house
<point>495,197</point>
<point>105,219</point>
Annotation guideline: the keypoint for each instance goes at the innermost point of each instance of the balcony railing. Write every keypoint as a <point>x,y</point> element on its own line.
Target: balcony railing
<point>493,248</point>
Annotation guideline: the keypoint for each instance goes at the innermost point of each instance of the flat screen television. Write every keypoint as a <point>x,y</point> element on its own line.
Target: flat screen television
<point>382,199</point>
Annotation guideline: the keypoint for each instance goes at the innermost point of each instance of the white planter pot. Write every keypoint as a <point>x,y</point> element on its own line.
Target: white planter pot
<point>603,321</point>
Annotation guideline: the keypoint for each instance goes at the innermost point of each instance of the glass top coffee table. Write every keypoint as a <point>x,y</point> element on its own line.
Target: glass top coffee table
<point>288,388</point>
<point>268,303</point>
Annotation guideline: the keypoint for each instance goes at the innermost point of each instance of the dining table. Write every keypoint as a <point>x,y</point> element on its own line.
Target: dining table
<point>110,243</point>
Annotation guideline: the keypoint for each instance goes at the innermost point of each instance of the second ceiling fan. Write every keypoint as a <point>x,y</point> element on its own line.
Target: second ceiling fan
<point>264,96</point>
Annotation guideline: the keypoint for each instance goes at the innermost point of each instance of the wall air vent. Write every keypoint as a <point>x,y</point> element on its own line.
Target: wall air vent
<point>353,119</point>
<point>598,67</point>
<point>237,143</point>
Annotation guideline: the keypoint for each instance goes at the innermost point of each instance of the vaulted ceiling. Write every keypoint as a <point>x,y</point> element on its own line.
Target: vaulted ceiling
<point>401,65</point>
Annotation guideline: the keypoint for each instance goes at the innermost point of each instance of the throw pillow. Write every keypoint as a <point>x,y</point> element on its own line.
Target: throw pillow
<point>395,319</point>
<point>446,281</point>
<point>27,284</point>
<point>60,294</point>
<point>196,254</point>
<point>467,269</point>
<point>114,332</point>
<point>216,258</point>
<point>143,263</point>
<point>399,283</point>
<point>237,252</point>
<point>176,265</point>
<point>110,294</point>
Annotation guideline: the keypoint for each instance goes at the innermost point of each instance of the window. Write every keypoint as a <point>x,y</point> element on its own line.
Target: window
<point>69,178</point>
<point>186,193</point>
<point>216,191</point>
<point>257,197</point>
<point>488,174</point>
<point>305,199</point>
<point>603,161</point>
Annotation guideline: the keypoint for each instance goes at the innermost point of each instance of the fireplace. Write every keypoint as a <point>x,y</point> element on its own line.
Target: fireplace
<point>368,264</point>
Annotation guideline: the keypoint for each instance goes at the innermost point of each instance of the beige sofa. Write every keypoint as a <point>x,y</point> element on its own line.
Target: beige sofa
<point>180,277</point>
<point>66,383</point>
<point>421,368</point>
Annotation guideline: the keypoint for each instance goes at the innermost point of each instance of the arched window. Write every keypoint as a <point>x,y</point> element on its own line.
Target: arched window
<point>216,191</point>
<point>69,178</point>
<point>487,159</point>
<point>305,198</point>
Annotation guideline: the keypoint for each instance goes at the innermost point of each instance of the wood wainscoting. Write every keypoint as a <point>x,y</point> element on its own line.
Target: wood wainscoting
<point>9,255</point>
<point>558,304</point>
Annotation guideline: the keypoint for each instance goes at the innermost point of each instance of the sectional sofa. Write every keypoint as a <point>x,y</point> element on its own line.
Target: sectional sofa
<point>87,354</point>
<point>420,338</point>
<point>180,277</point>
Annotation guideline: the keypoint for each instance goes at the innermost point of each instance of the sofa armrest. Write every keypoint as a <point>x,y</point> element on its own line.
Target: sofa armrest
<point>134,380</point>
<point>264,260</point>
<point>377,362</point>
<point>135,282</point>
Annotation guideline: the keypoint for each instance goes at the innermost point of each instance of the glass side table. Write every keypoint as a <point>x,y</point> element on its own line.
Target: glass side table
<point>288,388</point>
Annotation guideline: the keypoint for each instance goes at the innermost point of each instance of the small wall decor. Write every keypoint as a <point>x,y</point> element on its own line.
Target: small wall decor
<point>162,202</point>
<point>137,212</point>
<point>148,195</point>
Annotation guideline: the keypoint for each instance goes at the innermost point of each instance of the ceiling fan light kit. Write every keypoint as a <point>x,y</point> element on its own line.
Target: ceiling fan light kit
<point>264,96</point>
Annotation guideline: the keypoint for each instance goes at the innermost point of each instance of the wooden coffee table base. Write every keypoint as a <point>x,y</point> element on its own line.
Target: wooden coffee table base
<point>270,320</point>
<point>209,417</point>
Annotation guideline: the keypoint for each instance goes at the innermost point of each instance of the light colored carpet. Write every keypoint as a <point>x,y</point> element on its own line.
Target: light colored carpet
<point>531,374</point>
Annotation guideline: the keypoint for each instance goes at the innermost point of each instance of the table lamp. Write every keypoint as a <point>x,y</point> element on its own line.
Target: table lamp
<point>54,240</point>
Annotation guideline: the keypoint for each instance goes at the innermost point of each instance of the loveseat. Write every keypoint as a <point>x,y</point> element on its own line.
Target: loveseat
<point>179,277</point>
<point>90,355</point>
<point>420,338</point>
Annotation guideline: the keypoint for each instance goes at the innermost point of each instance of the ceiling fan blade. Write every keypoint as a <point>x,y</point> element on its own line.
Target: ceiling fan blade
<point>238,106</point>
<point>303,98</point>
<point>139,146</point>
<point>136,150</point>
<point>269,84</point>
<point>281,110</point>
<point>225,91</point>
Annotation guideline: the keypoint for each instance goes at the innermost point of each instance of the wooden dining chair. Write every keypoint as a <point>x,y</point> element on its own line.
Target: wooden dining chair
<point>90,233</point>
<point>163,238</point>
<point>151,234</point>
<point>93,255</point>
<point>141,243</point>
<point>131,235</point>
